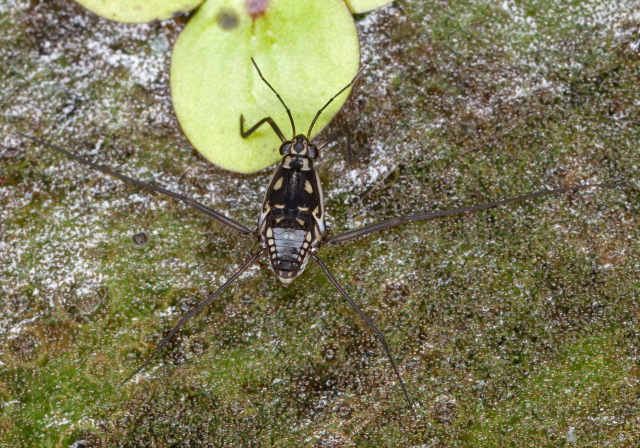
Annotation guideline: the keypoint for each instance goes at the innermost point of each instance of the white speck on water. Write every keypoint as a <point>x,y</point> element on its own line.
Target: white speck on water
<point>169,311</point>
<point>61,422</point>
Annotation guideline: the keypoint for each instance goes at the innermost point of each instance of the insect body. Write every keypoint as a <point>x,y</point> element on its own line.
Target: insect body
<point>291,225</point>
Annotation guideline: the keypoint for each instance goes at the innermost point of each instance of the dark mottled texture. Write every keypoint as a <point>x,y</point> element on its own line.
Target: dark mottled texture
<point>512,327</point>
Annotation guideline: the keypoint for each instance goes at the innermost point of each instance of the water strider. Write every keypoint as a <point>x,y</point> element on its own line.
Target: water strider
<point>291,225</point>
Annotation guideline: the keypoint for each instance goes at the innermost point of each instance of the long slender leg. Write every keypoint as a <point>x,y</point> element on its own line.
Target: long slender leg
<point>255,127</point>
<point>369,322</point>
<point>235,225</point>
<point>333,137</point>
<point>193,312</point>
<point>351,156</point>
<point>357,233</point>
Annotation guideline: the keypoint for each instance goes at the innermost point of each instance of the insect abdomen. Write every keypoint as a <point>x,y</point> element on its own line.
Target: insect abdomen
<point>289,248</point>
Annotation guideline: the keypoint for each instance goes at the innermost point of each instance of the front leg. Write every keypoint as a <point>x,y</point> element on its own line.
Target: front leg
<point>255,127</point>
<point>352,157</point>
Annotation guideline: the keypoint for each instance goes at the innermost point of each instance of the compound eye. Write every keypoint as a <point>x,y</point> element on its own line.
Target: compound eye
<point>285,148</point>
<point>312,151</point>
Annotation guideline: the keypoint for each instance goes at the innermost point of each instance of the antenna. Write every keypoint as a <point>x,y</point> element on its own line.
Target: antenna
<point>333,98</point>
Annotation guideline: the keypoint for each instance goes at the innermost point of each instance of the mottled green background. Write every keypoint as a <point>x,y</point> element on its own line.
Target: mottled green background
<point>512,327</point>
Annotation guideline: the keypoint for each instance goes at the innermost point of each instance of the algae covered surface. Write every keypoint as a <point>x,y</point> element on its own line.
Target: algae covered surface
<point>516,326</point>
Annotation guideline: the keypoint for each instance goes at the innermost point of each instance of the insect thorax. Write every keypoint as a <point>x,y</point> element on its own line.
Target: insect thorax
<point>292,219</point>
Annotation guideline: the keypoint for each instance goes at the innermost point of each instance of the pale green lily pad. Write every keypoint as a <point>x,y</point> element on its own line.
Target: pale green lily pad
<point>360,6</point>
<point>307,51</point>
<point>139,11</point>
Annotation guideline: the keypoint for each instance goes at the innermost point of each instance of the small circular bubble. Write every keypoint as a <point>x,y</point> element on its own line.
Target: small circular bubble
<point>140,239</point>
<point>81,444</point>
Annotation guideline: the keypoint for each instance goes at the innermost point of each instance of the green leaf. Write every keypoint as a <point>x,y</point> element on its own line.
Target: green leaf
<point>307,51</point>
<point>139,11</point>
<point>360,6</point>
